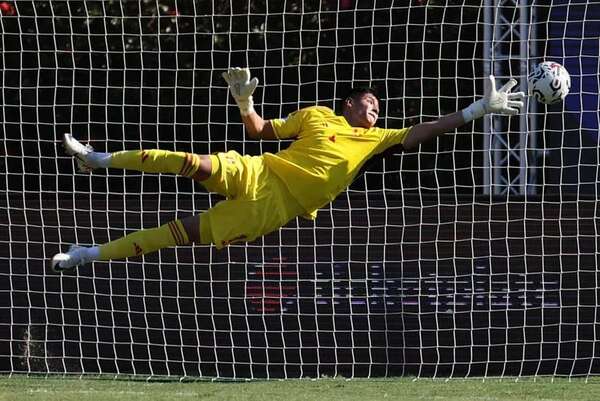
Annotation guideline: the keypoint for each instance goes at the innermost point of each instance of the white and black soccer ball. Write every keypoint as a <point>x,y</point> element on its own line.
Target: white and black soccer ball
<point>549,82</point>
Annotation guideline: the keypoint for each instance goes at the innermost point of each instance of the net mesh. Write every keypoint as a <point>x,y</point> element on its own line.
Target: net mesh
<point>417,269</point>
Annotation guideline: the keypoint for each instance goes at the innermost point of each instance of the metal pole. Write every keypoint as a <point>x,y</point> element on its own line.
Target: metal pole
<point>523,57</point>
<point>531,129</point>
<point>488,26</point>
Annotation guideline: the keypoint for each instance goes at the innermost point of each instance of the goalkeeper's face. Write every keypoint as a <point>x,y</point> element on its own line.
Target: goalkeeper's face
<point>363,111</point>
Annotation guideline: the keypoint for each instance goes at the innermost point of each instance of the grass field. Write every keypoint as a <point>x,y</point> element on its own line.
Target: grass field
<point>23,388</point>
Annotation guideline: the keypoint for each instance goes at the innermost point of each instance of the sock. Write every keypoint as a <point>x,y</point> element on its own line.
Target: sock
<point>92,253</point>
<point>145,241</point>
<point>99,159</point>
<point>156,161</point>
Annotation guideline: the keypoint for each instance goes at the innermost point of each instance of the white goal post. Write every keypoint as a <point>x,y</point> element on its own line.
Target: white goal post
<point>430,265</point>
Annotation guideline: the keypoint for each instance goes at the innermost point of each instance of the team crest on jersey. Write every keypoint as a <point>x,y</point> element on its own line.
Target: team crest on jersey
<point>138,249</point>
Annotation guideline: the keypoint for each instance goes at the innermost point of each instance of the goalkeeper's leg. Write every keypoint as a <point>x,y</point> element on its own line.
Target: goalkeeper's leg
<point>174,233</point>
<point>198,167</point>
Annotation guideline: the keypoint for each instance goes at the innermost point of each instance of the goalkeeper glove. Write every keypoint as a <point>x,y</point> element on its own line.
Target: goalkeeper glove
<point>495,101</point>
<point>241,88</point>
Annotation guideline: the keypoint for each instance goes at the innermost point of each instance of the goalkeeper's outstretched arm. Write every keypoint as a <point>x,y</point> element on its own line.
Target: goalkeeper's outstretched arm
<point>242,88</point>
<point>500,101</point>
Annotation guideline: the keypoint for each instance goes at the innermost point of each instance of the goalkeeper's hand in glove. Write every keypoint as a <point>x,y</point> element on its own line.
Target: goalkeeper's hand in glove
<point>495,101</point>
<point>241,88</point>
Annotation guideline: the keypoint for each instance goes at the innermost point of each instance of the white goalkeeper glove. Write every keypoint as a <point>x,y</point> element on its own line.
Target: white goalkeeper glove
<point>495,101</point>
<point>241,88</point>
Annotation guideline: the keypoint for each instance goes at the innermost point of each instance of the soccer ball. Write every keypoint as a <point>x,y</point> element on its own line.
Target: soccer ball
<point>549,82</point>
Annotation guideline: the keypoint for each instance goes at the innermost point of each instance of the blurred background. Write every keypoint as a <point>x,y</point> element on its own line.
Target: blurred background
<point>128,74</point>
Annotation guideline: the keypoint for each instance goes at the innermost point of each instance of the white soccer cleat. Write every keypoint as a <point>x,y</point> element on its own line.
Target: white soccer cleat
<point>80,151</point>
<point>76,256</point>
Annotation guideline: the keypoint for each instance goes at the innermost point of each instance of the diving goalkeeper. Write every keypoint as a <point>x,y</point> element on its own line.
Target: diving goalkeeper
<point>263,193</point>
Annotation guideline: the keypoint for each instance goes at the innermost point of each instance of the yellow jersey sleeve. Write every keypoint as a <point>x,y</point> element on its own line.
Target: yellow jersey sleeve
<point>289,127</point>
<point>390,137</point>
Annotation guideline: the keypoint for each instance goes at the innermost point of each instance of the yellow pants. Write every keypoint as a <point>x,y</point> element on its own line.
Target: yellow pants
<point>257,203</point>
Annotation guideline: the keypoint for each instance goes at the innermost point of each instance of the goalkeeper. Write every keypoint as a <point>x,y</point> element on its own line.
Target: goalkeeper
<point>265,192</point>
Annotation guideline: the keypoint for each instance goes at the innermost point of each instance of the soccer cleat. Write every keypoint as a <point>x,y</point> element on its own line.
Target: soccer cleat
<point>76,256</point>
<point>75,148</point>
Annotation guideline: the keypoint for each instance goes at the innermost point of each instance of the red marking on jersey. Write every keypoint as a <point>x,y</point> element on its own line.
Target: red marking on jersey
<point>145,155</point>
<point>138,249</point>
<point>332,138</point>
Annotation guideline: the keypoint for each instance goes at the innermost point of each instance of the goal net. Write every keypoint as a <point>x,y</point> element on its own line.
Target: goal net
<point>474,256</point>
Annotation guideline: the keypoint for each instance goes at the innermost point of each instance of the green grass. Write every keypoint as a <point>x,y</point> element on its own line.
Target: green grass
<point>23,388</point>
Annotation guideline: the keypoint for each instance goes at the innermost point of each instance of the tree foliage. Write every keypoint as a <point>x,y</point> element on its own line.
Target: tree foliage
<point>148,68</point>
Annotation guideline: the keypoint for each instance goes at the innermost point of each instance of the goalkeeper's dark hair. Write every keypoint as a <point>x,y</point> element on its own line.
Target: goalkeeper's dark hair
<point>357,92</point>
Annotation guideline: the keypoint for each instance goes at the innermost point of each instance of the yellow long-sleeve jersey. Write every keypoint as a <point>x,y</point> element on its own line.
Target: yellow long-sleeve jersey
<point>326,155</point>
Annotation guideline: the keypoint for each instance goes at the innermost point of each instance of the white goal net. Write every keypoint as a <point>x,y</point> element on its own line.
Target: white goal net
<point>476,255</point>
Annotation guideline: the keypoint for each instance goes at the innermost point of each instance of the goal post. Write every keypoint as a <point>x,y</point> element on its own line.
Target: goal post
<point>418,269</point>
